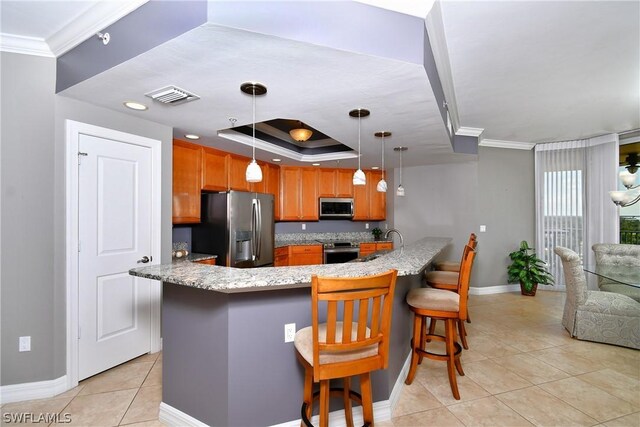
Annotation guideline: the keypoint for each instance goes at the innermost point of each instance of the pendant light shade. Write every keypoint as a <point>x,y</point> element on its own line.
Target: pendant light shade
<point>359,177</point>
<point>382,184</point>
<point>253,172</point>
<point>400,190</point>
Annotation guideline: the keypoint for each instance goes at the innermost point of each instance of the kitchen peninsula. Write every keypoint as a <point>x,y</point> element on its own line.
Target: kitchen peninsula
<point>224,357</point>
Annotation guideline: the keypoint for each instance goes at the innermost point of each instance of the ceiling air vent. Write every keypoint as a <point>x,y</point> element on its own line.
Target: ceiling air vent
<point>172,95</point>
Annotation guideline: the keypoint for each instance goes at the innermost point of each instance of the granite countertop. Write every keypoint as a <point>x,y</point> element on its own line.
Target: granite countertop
<point>412,259</point>
<point>193,257</point>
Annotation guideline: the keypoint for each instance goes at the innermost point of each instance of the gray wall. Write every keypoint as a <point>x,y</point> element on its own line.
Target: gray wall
<point>33,211</point>
<point>453,200</point>
<point>27,226</point>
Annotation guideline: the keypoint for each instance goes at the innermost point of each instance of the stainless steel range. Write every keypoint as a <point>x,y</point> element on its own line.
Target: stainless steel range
<point>339,251</point>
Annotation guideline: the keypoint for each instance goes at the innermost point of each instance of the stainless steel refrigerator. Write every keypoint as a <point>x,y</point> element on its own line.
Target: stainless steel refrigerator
<point>236,226</point>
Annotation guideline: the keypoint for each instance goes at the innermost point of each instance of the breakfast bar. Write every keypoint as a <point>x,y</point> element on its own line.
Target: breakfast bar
<point>225,361</point>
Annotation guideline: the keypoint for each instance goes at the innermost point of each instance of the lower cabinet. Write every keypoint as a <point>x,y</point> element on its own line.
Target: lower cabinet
<point>298,255</point>
<point>371,247</point>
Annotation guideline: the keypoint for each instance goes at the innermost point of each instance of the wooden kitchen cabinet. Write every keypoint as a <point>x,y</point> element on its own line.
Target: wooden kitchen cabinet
<point>214,170</point>
<point>377,200</point>
<point>281,257</point>
<point>305,255</point>
<point>298,194</point>
<point>272,173</point>
<point>368,203</point>
<point>187,176</point>
<point>371,247</point>
<point>237,169</point>
<point>335,183</point>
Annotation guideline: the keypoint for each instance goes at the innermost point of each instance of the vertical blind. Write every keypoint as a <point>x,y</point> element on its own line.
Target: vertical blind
<point>573,209</point>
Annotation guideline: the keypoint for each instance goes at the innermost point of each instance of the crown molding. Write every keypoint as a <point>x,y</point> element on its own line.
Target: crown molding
<point>465,131</point>
<point>24,45</point>
<point>91,22</point>
<point>514,145</point>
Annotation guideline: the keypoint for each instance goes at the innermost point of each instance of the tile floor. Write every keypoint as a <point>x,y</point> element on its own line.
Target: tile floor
<point>522,369</point>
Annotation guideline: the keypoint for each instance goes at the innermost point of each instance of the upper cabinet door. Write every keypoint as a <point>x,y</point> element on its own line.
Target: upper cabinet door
<point>361,201</point>
<point>273,187</point>
<point>187,163</point>
<point>260,187</point>
<point>290,193</point>
<point>377,200</point>
<point>327,183</point>
<point>214,170</point>
<point>309,194</point>
<point>237,168</point>
<point>344,183</point>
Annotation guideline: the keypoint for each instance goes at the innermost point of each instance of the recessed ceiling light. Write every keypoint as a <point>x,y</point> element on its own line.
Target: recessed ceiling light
<point>315,164</point>
<point>191,136</point>
<point>276,160</point>
<point>135,106</point>
<point>375,168</point>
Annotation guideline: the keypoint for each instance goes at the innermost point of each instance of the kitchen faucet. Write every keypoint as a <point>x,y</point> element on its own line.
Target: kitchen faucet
<point>393,230</point>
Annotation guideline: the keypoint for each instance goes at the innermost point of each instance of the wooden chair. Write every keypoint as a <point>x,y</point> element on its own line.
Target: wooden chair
<point>448,280</point>
<point>362,306</point>
<point>454,266</point>
<point>440,304</point>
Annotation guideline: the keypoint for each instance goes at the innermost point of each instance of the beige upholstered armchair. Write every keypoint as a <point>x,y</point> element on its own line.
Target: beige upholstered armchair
<point>593,315</point>
<point>614,254</point>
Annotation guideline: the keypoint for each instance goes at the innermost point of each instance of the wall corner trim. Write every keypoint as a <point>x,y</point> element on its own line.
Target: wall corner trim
<point>466,131</point>
<point>174,417</point>
<point>514,145</point>
<point>34,390</point>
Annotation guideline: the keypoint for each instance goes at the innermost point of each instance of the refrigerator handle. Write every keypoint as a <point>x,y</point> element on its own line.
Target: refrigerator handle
<point>259,231</point>
<point>254,227</point>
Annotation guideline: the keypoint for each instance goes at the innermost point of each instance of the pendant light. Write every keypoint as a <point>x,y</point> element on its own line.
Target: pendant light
<point>253,172</point>
<point>382,184</point>
<point>359,177</point>
<point>400,190</point>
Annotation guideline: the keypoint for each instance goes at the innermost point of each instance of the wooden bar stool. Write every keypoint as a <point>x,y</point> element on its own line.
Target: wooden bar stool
<point>454,266</point>
<point>353,341</point>
<point>443,305</point>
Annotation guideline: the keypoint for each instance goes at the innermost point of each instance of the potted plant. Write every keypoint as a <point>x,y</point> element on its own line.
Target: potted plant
<point>528,269</point>
<point>376,233</point>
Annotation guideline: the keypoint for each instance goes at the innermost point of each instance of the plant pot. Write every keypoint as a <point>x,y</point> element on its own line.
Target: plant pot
<point>531,293</point>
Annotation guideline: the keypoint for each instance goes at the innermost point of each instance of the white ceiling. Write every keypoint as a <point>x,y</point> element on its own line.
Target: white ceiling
<point>523,71</point>
<point>545,70</point>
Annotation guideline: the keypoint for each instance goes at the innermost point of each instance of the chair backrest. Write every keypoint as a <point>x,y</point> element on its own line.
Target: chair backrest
<point>574,276</point>
<point>464,278</point>
<point>358,313</point>
<point>614,254</point>
<point>473,240</point>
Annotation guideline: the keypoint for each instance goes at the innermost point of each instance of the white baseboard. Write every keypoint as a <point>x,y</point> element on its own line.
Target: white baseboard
<point>494,289</point>
<point>31,391</point>
<point>173,417</point>
<point>397,388</point>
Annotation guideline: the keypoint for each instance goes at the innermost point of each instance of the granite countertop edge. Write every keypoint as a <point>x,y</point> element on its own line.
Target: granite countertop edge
<point>410,260</point>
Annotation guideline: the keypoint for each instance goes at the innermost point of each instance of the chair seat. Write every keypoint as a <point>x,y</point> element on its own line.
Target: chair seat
<point>611,303</point>
<point>442,277</point>
<point>434,299</point>
<point>448,266</point>
<point>303,342</point>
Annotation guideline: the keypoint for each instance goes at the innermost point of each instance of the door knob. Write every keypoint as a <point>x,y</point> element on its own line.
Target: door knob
<point>143,260</point>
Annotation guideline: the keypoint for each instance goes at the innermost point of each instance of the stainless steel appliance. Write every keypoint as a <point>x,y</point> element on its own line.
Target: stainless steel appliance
<point>336,208</point>
<point>339,251</point>
<point>236,226</point>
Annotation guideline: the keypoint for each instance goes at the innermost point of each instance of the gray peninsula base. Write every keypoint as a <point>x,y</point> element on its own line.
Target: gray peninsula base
<point>225,361</point>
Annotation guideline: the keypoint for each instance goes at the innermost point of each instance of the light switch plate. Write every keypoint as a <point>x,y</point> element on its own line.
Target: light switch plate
<point>24,344</point>
<point>483,228</point>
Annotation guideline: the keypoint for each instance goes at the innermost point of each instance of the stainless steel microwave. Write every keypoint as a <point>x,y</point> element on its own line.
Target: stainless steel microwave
<point>336,208</point>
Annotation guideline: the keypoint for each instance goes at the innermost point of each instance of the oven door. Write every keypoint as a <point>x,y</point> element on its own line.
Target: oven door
<point>340,255</point>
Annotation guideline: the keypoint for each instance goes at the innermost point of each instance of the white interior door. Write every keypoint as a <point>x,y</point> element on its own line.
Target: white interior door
<point>114,228</point>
